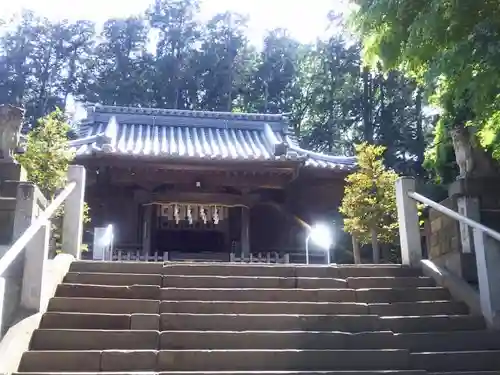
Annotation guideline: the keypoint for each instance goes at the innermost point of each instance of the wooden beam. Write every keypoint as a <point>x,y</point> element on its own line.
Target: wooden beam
<point>155,177</point>
<point>206,198</point>
<point>181,164</point>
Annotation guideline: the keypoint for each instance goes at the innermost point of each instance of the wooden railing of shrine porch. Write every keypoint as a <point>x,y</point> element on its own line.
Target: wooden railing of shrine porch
<point>24,262</point>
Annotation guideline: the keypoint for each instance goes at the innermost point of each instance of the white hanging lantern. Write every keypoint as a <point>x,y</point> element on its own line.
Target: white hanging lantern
<point>215,215</point>
<point>203,214</point>
<point>176,214</point>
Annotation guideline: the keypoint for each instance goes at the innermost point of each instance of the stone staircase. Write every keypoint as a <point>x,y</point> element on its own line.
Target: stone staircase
<point>225,318</point>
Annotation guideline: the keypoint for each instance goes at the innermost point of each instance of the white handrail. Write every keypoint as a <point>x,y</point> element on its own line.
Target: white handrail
<point>26,237</point>
<point>454,215</point>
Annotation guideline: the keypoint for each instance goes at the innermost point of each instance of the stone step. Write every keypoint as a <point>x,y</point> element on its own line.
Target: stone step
<point>214,360</point>
<point>343,323</point>
<point>65,320</point>
<point>91,339</point>
<point>265,360</point>
<point>104,305</point>
<point>107,291</point>
<point>59,320</point>
<point>322,308</point>
<point>374,295</point>
<point>245,294</point>
<point>238,269</point>
<point>395,372</point>
<point>472,361</point>
<point>253,322</point>
<point>419,342</point>
<point>183,281</point>
<point>262,307</point>
<point>117,267</point>
<point>100,278</point>
<point>450,341</point>
<point>77,339</point>
<point>441,323</point>
<point>275,340</point>
<point>389,282</point>
<point>332,271</point>
<point>395,295</point>
<point>418,308</point>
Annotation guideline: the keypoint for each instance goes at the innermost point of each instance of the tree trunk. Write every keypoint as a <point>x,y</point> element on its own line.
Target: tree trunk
<point>419,132</point>
<point>472,159</point>
<point>355,250</point>
<point>375,246</point>
<point>368,131</point>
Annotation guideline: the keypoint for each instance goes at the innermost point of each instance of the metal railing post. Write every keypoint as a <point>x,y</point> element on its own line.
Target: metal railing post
<point>409,228</point>
<point>73,213</point>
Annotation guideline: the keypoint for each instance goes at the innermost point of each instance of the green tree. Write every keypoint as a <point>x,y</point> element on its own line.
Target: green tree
<point>41,62</point>
<point>119,71</point>
<point>369,203</point>
<point>47,155</point>
<point>331,102</point>
<point>452,48</point>
<point>47,159</point>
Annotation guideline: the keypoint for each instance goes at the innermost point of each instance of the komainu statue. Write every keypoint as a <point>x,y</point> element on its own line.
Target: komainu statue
<point>472,160</point>
<point>11,119</point>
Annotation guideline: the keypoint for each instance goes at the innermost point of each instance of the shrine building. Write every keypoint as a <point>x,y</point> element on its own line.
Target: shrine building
<point>188,182</point>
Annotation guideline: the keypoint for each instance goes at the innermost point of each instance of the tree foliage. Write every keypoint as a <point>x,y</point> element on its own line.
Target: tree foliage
<point>48,156</point>
<point>450,47</point>
<point>369,203</point>
<point>167,58</point>
<point>46,159</point>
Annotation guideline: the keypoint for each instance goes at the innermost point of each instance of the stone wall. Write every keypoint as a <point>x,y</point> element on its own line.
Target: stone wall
<point>443,238</point>
<point>443,232</point>
<point>10,175</point>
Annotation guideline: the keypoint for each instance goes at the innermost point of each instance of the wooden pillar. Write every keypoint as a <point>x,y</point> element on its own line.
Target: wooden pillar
<point>146,229</point>
<point>245,231</point>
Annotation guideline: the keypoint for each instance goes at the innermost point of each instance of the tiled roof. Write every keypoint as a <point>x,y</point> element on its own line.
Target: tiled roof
<point>194,134</point>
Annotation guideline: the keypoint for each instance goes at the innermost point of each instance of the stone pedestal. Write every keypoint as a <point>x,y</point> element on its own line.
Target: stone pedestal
<point>479,200</point>
<point>11,171</point>
<point>450,244</point>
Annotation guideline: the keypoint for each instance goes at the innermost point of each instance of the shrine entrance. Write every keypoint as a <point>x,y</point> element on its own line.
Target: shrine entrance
<point>187,230</point>
<point>189,241</point>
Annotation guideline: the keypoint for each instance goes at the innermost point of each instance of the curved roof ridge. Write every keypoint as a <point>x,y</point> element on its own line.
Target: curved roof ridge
<point>99,108</point>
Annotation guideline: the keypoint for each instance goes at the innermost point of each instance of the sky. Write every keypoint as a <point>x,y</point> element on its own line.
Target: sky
<point>305,21</point>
